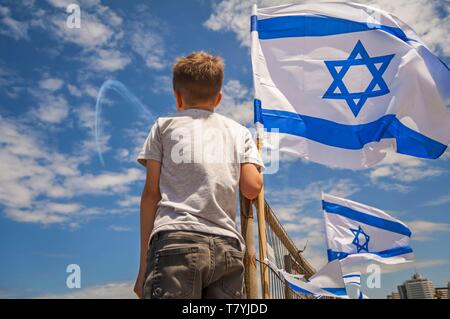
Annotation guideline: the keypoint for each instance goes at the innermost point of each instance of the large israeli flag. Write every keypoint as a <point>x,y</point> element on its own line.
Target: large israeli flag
<point>339,83</point>
<point>356,232</point>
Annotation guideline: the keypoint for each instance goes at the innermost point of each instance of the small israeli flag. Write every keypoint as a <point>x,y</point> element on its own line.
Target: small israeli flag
<point>354,279</point>
<point>339,83</point>
<point>328,281</point>
<point>356,232</point>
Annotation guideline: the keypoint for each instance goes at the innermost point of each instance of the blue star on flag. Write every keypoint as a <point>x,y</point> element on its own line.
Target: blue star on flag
<point>360,234</point>
<point>339,68</point>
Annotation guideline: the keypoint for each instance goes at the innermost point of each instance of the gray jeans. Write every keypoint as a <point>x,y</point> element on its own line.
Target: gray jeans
<point>193,265</point>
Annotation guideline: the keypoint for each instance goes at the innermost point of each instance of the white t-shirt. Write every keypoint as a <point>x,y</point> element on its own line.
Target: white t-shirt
<point>200,154</point>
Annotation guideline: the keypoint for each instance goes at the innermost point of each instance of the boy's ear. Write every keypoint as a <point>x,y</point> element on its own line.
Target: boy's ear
<point>178,100</point>
<point>218,99</point>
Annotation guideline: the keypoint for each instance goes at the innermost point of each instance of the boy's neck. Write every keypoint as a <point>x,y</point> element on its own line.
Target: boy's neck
<point>209,108</point>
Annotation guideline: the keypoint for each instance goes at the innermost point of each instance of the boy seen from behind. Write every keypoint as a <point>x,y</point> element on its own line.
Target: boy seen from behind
<point>196,161</point>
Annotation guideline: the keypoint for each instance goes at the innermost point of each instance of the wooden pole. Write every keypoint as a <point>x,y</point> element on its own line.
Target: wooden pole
<point>247,222</point>
<point>288,267</point>
<point>260,206</point>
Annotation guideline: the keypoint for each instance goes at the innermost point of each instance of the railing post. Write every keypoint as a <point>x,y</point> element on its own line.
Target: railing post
<point>260,209</point>
<point>288,268</point>
<point>247,222</point>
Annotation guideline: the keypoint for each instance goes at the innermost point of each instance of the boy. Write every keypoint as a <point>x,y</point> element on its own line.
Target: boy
<point>196,160</point>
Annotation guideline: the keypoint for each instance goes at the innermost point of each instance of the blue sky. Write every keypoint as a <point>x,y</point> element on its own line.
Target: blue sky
<point>59,205</point>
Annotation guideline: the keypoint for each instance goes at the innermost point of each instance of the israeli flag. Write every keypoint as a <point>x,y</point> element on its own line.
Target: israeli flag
<point>354,279</point>
<point>339,83</point>
<point>356,232</point>
<point>328,281</point>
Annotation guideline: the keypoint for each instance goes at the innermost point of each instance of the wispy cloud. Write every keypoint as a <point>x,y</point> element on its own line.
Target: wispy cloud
<point>116,290</point>
<point>38,184</point>
<point>289,200</point>
<point>11,27</point>
<point>425,230</point>
<point>236,102</point>
<point>442,200</point>
<point>397,171</point>
<point>129,201</point>
<point>51,109</point>
<point>51,84</point>
<point>108,60</point>
<point>120,229</point>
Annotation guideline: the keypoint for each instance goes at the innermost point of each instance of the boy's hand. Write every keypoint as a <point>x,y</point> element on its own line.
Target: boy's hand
<point>139,285</point>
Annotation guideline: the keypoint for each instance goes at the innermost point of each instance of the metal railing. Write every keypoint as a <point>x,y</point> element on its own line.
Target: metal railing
<point>281,250</point>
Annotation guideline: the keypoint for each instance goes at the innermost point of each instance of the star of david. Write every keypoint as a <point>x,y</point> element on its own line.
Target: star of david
<point>339,68</point>
<point>360,234</point>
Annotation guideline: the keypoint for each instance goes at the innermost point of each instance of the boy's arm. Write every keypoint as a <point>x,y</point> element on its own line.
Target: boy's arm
<point>250,181</point>
<point>149,201</point>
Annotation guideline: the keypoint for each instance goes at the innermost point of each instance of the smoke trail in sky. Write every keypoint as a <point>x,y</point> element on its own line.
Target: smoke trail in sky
<point>126,94</point>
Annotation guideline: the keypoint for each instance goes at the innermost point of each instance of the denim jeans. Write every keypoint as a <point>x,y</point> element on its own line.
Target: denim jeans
<point>194,265</point>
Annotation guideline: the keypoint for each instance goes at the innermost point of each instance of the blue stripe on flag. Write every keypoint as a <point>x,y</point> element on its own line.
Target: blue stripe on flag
<point>351,137</point>
<point>257,114</point>
<point>351,275</point>
<point>253,23</point>
<point>298,289</point>
<point>393,252</point>
<point>374,221</point>
<point>315,26</point>
<point>336,291</point>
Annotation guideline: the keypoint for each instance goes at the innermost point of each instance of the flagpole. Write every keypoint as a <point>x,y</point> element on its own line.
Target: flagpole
<point>260,208</point>
<point>260,202</point>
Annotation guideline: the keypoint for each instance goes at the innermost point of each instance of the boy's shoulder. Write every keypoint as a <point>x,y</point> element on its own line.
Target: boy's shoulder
<point>166,120</point>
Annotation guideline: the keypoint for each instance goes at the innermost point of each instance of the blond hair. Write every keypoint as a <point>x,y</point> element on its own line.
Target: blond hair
<point>198,76</point>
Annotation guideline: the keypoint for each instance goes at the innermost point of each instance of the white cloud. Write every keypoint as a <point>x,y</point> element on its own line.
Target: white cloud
<point>120,229</point>
<point>425,230</point>
<point>44,213</point>
<point>109,60</point>
<point>425,17</point>
<point>234,16</point>
<point>236,102</point>
<point>52,109</point>
<point>162,84</point>
<point>51,84</point>
<point>397,170</point>
<point>149,46</point>
<point>130,201</point>
<point>93,32</point>
<point>439,201</point>
<point>90,90</point>
<point>386,269</point>
<point>74,90</point>
<point>10,82</point>
<point>288,202</point>
<point>39,185</point>
<point>103,183</point>
<point>119,290</point>
<point>11,27</point>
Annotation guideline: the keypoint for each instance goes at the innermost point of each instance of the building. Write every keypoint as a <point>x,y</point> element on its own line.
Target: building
<point>418,287</point>
<point>394,295</point>
<point>441,293</point>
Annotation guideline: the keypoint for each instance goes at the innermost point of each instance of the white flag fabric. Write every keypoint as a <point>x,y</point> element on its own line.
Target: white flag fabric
<point>357,233</point>
<point>339,83</point>
<point>355,280</point>
<point>328,281</point>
